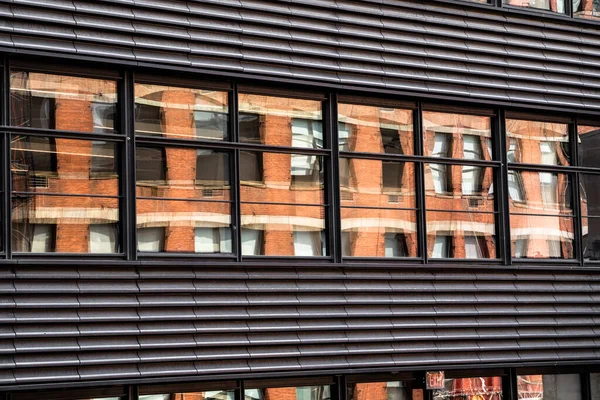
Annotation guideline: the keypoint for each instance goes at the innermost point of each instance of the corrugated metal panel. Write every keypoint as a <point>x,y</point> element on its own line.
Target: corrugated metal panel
<point>285,320</point>
<point>403,45</point>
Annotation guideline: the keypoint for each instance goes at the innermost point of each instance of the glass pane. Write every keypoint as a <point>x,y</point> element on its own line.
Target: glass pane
<point>208,395</point>
<point>181,113</point>
<point>457,136</point>
<point>184,226</point>
<point>461,235</point>
<point>589,144</point>
<point>595,385</point>
<point>536,142</point>
<point>67,103</point>
<point>283,230</point>
<point>548,5</point>
<point>535,236</point>
<point>549,387</point>
<point>64,224</point>
<point>590,194</point>
<point>180,172</point>
<point>397,390</point>
<point>371,129</point>
<point>589,9</point>
<point>591,238</point>
<point>281,178</point>
<point>533,192</point>
<point>280,121</point>
<point>287,393</point>
<point>459,187</point>
<point>373,232</point>
<point>488,388</point>
<point>67,166</point>
<point>376,183</point>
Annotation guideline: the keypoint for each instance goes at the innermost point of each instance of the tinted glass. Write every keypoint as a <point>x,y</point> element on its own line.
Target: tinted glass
<point>461,235</point>
<point>191,173</point>
<point>66,166</point>
<point>376,232</point>
<point>536,142</point>
<point>549,387</point>
<point>458,187</point>
<point>183,226</point>
<point>372,129</point>
<point>395,390</point>
<point>534,236</point>
<point>489,388</point>
<point>540,193</point>
<point>283,230</point>
<point>281,121</point>
<point>591,238</point>
<point>589,145</point>
<point>64,224</point>
<point>376,183</point>
<point>68,103</point>
<point>181,113</point>
<point>282,178</point>
<point>457,136</point>
<point>590,194</point>
<point>548,5</point>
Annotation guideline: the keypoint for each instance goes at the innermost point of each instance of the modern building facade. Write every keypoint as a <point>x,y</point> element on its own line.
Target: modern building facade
<point>300,200</point>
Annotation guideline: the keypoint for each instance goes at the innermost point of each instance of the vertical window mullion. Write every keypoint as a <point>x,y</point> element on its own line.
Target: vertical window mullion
<point>6,178</point>
<point>575,192</point>
<point>420,183</point>
<point>503,194</point>
<point>236,212</point>
<point>129,171</point>
<point>333,179</point>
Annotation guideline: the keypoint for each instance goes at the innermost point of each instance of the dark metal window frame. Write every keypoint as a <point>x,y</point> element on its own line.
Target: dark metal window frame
<point>126,141</point>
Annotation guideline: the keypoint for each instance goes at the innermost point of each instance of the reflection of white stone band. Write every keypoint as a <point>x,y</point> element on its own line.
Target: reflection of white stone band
<point>541,233</point>
<point>464,226</point>
<point>362,224</point>
<point>66,215</point>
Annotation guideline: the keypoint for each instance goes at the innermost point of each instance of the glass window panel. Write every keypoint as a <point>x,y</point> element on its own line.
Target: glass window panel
<point>540,193</point>
<point>65,166</point>
<point>69,103</point>
<point>372,129</point>
<point>589,142</point>
<point>589,9</point>
<point>191,173</point>
<point>181,113</point>
<point>280,121</point>
<point>595,386</point>
<point>459,187</point>
<point>281,179</point>
<point>208,395</point>
<point>536,142</point>
<point>377,183</point>
<point>397,390</point>
<point>189,226</point>
<point>45,224</point>
<point>591,238</point>
<point>279,227</point>
<point>103,238</point>
<point>457,136</point>
<point>287,393</point>
<point>590,194</point>
<point>549,387</point>
<point>376,232</point>
<point>151,239</point>
<point>461,235</point>
<point>534,236</point>
<point>548,5</point>
<point>488,388</point>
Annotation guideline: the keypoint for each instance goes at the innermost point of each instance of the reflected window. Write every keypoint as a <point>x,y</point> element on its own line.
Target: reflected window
<point>249,127</point>
<point>472,176</point>
<point>212,240</point>
<point>548,5</point>
<point>103,159</point>
<point>252,242</point>
<point>151,239</point>
<point>396,245</point>
<point>488,388</point>
<point>212,168</point>
<point>442,246</point>
<point>549,387</point>
<point>210,125</point>
<point>150,164</point>
<point>441,178</point>
<point>476,247</point>
<point>308,243</point>
<point>34,238</point>
<point>104,117</point>
<point>392,174</point>
<point>148,119</point>
<point>520,247</point>
<point>251,166</point>
<point>103,238</point>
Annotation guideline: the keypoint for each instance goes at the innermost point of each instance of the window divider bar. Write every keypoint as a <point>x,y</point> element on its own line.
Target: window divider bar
<point>236,207</point>
<point>333,180</point>
<point>128,220</point>
<point>6,179</point>
<point>498,153</point>
<point>575,194</point>
<point>420,183</point>
<point>503,201</point>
